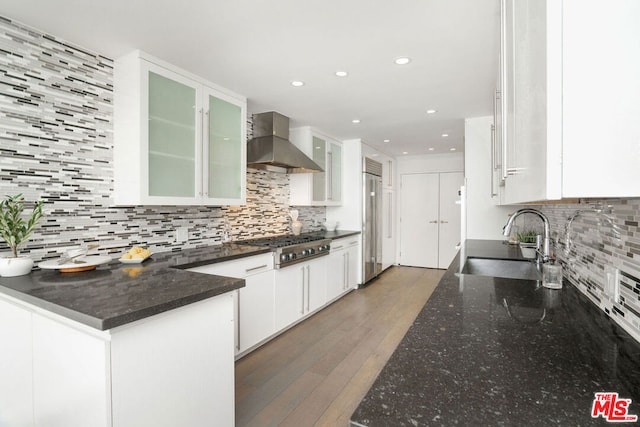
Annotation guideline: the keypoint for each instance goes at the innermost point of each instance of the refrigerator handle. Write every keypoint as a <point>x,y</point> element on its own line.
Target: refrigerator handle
<point>390,222</point>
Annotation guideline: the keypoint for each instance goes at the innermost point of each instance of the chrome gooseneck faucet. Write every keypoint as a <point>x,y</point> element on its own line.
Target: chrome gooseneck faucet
<point>545,252</point>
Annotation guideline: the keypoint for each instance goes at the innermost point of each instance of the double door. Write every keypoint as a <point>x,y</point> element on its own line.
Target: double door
<point>430,219</point>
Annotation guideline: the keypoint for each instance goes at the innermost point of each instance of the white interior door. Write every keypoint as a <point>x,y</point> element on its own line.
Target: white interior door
<point>449,217</point>
<point>419,194</point>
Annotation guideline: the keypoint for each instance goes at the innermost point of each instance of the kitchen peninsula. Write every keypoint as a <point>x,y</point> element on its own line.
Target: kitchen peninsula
<point>122,345</point>
<point>495,351</point>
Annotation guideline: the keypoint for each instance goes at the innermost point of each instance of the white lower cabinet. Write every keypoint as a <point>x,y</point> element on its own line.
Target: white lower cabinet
<point>300,290</point>
<point>173,368</point>
<point>254,303</point>
<point>16,366</point>
<point>256,310</point>
<point>342,272</point>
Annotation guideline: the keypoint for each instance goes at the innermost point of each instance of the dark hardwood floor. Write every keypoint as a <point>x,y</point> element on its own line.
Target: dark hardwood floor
<point>316,373</point>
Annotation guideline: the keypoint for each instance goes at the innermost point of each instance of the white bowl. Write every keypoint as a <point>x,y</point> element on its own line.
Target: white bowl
<point>331,225</point>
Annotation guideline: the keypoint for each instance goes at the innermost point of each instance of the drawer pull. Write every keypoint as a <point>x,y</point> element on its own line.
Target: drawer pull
<point>256,268</point>
<point>337,247</point>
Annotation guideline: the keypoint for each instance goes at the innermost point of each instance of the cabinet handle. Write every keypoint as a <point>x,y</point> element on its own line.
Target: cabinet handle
<point>513,171</point>
<point>497,123</point>
<point>433,222</point>
<point>238,321</point>
<point>390,221</point>
<point>335,248</point>
<point>390,173</point>
<point>309,287</point>
<point>444,222</point>
<point>205,153</point>
<point>302,305</point>
<point>346,271</point>
<point>330,175</point>
<point>255,268</point>
<point>493,156</point>
<point>503,100</point>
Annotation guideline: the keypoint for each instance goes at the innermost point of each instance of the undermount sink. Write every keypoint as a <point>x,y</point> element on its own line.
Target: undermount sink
<point>509,269</point>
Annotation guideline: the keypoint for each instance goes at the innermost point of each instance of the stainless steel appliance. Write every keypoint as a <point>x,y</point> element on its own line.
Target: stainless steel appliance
<point>371,219</point>
<point>270,148</point>
<point>289,250</point>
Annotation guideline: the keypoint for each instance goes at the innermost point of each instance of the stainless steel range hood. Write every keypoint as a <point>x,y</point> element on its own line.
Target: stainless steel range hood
<point>270,148</point>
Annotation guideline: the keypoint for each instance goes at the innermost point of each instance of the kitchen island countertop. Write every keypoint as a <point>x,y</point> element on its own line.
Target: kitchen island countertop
<point>494,351</point>
<point>115,294</point>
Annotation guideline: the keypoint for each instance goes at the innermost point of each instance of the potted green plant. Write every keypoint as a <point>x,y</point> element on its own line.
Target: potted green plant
<point>527,238</point>
<point>15,230</point>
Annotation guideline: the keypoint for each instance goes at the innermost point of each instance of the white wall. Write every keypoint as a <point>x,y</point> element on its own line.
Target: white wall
<point>453,162</point>
<point>484,219</point>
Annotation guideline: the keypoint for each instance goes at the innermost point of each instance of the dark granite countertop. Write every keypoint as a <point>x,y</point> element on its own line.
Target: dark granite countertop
<point>339,234</point>
<point>115,294</point>
<point>467,360</point>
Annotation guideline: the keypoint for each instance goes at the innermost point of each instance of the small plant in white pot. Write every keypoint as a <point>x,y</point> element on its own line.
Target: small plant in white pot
<point>15,231</point>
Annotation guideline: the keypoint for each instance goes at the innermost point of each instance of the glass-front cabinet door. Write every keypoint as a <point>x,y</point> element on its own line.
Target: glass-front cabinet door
<point>178,139</point>
<point>225,149</point>
<point>319,185</point>
<point>172,137</point>
<point>335,177</point>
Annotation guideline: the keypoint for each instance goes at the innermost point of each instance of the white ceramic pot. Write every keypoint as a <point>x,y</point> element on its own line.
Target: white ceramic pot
<point>11,267</point>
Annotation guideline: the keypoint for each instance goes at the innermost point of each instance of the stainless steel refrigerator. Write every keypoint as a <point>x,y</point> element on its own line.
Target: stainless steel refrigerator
<point>371,219</point>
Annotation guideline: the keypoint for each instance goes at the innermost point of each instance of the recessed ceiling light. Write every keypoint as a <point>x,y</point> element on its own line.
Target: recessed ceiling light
<point>452,149</point>
<point>403,60</point>
<point>342,73</point>
<point>356,121</point>
<point>374,155</point>
<point>386,140</point>
<point>297,83</point>
<point>405,152</point>
<point>444,135</point>
<point>431,148</point>
<point>432,111</point>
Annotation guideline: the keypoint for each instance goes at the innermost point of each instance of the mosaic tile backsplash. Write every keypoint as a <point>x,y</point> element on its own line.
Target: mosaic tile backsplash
<point>56,143</point>
<point>600,253</point>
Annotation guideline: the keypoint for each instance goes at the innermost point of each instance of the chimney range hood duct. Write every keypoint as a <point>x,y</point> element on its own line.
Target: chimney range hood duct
<point>270,148</point>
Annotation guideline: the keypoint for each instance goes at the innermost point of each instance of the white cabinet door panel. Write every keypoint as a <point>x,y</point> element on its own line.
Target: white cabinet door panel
<point>290,302</point>
<point>419,221</point>
<point>256,309</point>
<point>16,392</point>
<point>70,376</point>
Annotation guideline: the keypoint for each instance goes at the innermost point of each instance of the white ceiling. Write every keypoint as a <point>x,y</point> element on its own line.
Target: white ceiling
<point>257,47</point>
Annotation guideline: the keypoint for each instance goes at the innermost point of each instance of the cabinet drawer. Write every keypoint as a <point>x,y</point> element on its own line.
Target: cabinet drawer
<point>239,268</point>
<point>344,242</point>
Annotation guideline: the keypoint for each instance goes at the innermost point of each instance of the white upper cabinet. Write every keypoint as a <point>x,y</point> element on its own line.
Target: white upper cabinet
<point>178,140</point>
<point>318,188</point>
<point>570,99</point>
<point>388,171</point>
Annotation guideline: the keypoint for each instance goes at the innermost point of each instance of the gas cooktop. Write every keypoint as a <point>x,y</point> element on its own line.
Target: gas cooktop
<point>282,240</point>
<point>290,249</point>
